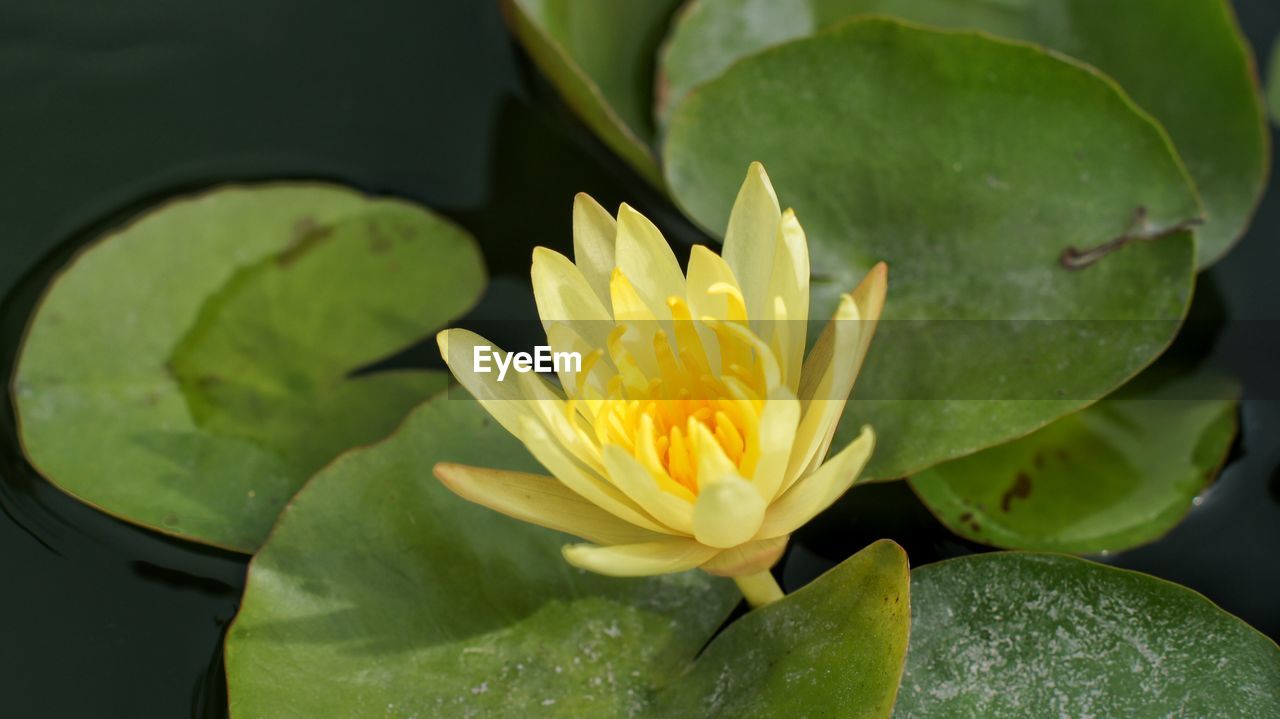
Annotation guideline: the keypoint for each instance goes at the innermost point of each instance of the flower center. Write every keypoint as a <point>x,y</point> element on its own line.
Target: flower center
<point>667,406</point>
<point>667,435</point>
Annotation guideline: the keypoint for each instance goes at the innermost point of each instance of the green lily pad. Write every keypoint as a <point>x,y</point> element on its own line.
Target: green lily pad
<point>971,166</point>
<point>1185,61</point>
<point>189,371</point>
<point>1029,635</point>
<point>600,56</point>
<point>835,647</point>
<point>380,593</point>
<point>1115,475</point>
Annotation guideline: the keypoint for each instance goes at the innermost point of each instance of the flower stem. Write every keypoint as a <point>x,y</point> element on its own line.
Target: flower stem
<point>759,588</point>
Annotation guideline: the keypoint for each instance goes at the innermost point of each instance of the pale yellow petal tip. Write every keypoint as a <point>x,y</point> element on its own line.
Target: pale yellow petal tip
<point>455,477</point>
<point>627,212</point>
<point>867,434</point>
<point>585,208</point>
<point>757,180</point>
<point>702,250</point>
<point>728,512</point>
<point>870,293</point>
<point>578,556</point>
<point>847,309</point>
<point>594,558</point>
<point>448,472</point>
<point>442,341</point>
<point>547,263</point>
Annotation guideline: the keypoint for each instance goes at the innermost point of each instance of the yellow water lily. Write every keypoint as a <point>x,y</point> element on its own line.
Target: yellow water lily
<point>693,430</point>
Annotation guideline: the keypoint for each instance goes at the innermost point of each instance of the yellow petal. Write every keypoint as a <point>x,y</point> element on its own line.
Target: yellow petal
<point>638,327</point>
<point>728,512</point>
<point>870,294</point>
<point>732,334</point>
<point>639,560</point>
<point>540,500</point>
<point>707,270</point>
<point>566,428</point>
<point>594,231</point>
<point>564,297</point>
<point>590,380</point>
<point>831,369</point>
<point>750,241</point>
<point>561,464</point>
<point>748,558</point>
<point>628,305</point>
<point>789,289</point>
<point>777,434</point>
<point>636,482</point>
<point>816,492</point>
<point>502,400</point>
<point>819,412</point>
<point>647,260</point>
<point>713,463</point>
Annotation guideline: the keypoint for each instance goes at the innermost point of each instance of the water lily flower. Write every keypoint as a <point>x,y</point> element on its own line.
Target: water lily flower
<point>693,432</point>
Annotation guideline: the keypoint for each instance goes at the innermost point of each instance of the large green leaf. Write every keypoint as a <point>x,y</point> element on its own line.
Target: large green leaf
<point>1185,61</point>
<point>189,371</point>
<point>380,593</point>
<point>835,648</point>
<point>1115,475</point>
<point>600,56</point>
<point>1012,635</point>
<point>971,165</point>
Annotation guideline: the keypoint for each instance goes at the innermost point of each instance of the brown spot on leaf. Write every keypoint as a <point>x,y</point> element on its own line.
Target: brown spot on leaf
<point>379,243</point>
<point>1021,489</point>
<point>303,227</point>
<point>306,234</point>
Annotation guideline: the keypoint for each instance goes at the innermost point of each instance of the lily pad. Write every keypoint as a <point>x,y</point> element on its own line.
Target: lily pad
<point>380,593</point>
<point>973,166</point>
<point>189,371</point>
<point>1115,475</point>
<point>835,647</point>
<point>600,56</point>
<point>1184,61</point>
<point>1028,635</point>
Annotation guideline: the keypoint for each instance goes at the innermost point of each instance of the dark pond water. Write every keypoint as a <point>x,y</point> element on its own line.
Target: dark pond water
<point>110,106</point>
